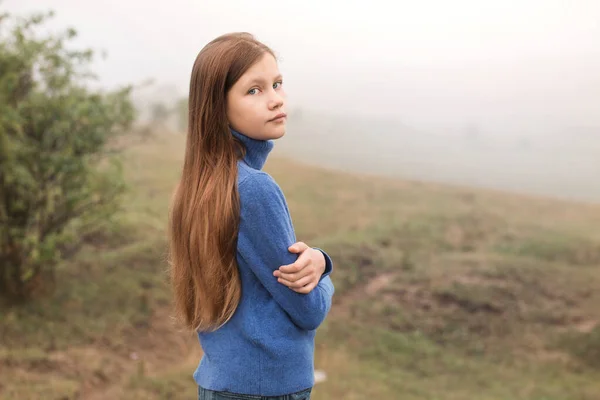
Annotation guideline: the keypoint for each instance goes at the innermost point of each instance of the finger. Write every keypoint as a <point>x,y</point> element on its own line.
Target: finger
<point>284,282</point>
<point>306,289</point>
<point>287,283</point>
<point>298,247</point>
<point>301,263</point>
<point>300,283</point>
<point>295,276</point>
<point>297,281</point>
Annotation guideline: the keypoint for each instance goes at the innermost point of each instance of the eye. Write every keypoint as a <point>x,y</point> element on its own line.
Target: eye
<point>253,91</point>
<point>277,84</point>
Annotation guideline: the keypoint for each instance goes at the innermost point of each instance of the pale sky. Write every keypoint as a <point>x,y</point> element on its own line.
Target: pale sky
<point>428,62</point>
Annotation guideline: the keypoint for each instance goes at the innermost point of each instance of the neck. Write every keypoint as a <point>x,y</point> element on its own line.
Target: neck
<point>257,151</point>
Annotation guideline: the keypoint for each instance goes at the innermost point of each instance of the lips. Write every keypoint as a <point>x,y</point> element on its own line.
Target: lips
<point>278,117</point>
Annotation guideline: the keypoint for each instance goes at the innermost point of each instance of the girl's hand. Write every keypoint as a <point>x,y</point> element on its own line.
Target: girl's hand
<point>303,275</point>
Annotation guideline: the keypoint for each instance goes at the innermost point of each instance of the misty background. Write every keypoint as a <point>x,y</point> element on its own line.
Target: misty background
<point>500,94</point>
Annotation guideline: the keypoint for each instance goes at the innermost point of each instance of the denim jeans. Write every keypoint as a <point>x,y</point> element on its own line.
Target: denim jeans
<point>205,394</point>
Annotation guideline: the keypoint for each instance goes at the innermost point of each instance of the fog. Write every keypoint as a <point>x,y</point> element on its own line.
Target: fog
<point>495,93</point>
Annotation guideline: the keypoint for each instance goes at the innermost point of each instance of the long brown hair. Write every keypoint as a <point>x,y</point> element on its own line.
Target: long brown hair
<point>205,209</point>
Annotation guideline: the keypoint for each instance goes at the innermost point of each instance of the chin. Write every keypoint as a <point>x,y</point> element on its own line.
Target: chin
<point>276,133</point>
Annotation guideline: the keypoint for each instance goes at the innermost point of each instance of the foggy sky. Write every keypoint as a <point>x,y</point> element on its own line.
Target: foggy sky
<point>502,65</point>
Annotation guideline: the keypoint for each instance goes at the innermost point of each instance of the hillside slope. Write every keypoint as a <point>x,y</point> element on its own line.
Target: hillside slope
<point>442,293</point>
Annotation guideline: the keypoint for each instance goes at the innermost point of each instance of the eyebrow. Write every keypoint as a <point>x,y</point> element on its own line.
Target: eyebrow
<point>261,80</point>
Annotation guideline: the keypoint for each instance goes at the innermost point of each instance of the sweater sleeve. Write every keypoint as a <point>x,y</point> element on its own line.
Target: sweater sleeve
<point>263,244</point>
<point>328,263</point>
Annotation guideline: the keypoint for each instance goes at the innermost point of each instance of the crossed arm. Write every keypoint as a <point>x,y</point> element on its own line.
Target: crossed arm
<point>300,284</point>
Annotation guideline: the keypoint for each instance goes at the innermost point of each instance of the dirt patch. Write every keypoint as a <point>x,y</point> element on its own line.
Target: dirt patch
<point>470,305</point>
<point>378,283</point>
<point>472,279</point>
<point>586,326</point>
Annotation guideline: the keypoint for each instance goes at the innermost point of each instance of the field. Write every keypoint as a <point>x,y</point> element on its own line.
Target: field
<point>441,293</point>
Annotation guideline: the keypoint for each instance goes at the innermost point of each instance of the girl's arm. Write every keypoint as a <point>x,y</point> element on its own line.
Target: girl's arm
<point>263,244</point>
<point>312,265</point>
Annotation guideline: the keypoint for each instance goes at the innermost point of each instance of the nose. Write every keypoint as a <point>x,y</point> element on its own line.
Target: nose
<point>275,101</point>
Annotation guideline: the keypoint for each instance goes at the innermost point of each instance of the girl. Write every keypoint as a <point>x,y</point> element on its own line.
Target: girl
<point>253,295</point>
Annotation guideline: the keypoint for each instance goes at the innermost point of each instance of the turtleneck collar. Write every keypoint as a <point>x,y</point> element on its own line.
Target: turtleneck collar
<point>257,151</point>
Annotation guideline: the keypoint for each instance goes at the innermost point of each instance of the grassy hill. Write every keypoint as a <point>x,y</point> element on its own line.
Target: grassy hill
<point>442,293</point>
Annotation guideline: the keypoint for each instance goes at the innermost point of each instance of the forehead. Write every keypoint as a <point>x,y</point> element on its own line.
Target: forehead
<point>265,68</point>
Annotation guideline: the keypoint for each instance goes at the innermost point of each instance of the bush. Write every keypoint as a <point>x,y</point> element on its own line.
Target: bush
<point>60,175</point>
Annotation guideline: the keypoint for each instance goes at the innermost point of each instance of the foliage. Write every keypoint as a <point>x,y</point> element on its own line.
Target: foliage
<point>60,175</point>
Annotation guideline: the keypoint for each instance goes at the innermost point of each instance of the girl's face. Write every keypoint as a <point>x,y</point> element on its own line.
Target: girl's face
<point>256,102</point>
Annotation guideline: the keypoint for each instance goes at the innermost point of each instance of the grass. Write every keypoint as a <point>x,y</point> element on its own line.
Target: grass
<point>441,293</point>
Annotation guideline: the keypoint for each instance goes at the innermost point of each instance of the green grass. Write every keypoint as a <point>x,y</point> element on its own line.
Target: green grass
<point>441,293</point>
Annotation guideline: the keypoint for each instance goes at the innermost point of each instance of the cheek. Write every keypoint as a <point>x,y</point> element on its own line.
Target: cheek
<point>250,109</point>
<point>244,114</point>
<point>236,110</point>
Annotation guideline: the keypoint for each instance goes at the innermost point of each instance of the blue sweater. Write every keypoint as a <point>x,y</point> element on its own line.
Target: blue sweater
<point>267,347</point>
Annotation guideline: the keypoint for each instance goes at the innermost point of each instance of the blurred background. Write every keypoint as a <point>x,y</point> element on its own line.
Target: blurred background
<point>445,154</point>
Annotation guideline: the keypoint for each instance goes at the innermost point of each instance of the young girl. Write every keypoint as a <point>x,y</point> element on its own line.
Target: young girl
<point>253,294</point>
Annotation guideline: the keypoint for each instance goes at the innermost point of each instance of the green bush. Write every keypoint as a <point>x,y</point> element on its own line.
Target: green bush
<point>60,175</point>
